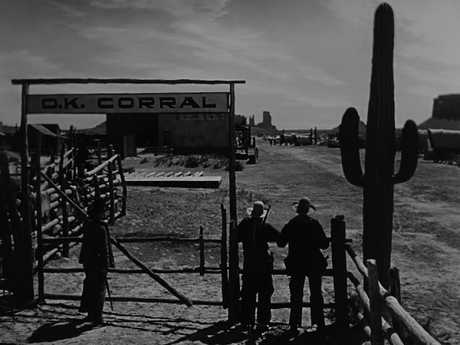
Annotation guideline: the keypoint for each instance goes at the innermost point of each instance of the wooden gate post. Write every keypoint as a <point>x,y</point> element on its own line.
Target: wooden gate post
<point>65,216</point>
<point>233,277</point>
<point>24,292</point>
<point>339,267</point>
<point>38,208</point>
<point>111,191</point>
<point>223,257</point>
<point>395,291</point>
<point>375,303</point>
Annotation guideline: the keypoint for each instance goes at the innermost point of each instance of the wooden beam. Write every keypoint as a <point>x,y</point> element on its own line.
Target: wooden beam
<point>51,81</point>
<point>147,270</point>
<point>375,304</point>
<point>130,299</point>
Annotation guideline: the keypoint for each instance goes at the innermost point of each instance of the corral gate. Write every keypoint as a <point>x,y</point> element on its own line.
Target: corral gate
<point>124,103</point>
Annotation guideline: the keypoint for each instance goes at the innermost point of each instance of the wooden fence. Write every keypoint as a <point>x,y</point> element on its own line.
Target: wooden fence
<point>153,273</point>
<point>58,197</point>
<point>64,195</point>
<point>378,310</point>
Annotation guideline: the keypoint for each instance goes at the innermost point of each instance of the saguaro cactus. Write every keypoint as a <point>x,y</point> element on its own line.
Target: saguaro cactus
<point>379,178</point>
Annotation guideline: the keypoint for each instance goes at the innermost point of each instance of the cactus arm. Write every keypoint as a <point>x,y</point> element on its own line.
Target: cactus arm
<point>409,153</point>
<point>349,147</point>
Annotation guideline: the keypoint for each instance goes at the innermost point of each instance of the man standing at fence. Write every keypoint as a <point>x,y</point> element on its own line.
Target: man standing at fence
<point>255,233</point>
<point>96,256</point>
<point>306,238</point>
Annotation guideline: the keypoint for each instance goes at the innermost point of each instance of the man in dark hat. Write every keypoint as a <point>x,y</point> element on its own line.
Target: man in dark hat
<point>96,256</point>
<point>306,238</point>
<point>255,234</point>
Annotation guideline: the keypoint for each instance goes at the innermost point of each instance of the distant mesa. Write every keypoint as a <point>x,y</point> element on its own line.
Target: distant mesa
<point>266,121</point>
<point>446,113</point>
<point>361,128</point>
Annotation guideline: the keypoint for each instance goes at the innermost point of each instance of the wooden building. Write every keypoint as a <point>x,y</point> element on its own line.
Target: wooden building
<point>184,133</point>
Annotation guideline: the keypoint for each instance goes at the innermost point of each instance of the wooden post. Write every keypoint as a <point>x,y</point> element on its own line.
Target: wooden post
<point>39,251</point>
<point>234,283</point>
<point>99,153</point>
<point>111,191</point>
<point>395,291</point>
<point>375,303</point>
<point>73,147</point>
<point>5,222</point>
<point>25,281</point>
<point>339,267</point>
<point>201,251</point>
<point>234,277</point>
<point>97,190</point>
<point>223,257</point>
<point>65,217</point>
<point>123,186</point>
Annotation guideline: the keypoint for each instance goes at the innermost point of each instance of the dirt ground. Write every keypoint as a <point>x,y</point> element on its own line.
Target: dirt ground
<point>426,248</point>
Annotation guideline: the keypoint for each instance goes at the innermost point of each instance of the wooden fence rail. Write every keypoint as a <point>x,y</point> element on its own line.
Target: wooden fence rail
<point>379,300</point>
<point>153,273</point>
<point>56,201</point>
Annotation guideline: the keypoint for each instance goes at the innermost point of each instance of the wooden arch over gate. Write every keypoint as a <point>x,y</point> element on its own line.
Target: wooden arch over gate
<point>95,104</point>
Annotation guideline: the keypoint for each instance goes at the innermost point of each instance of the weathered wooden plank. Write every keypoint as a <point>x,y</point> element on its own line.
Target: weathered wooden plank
<point>50,81</point>
<point>189,182</point>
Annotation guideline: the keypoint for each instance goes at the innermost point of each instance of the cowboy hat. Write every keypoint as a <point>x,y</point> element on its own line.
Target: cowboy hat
<point>257,210</point>
<point>303,206</point>
<point>97,207</point>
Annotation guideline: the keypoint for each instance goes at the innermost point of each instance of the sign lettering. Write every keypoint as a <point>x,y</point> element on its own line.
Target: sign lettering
<point>214,102</point>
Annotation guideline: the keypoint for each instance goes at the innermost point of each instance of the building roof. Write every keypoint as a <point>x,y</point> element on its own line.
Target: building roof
<point>436,123</point>
<point>45,131</point>
<point>9,129</point>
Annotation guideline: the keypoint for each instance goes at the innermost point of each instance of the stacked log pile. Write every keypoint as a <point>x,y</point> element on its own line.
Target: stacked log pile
<point>59,195</point>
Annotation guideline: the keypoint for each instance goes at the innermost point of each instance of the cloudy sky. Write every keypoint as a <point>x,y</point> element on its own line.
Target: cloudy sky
<point>305,61</point>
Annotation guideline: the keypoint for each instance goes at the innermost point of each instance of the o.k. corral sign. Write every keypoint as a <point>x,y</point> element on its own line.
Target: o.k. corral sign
<point>206,102</point>
<point>215,102</point>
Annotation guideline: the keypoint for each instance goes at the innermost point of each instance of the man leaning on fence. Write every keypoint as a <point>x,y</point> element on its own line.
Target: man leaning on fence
<point>306,238</point>
<point>96,256</point>
<point>255,233</point>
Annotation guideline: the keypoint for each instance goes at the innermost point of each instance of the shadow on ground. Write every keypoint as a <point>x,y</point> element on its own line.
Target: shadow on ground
<point>225,333</point>
<point>54,331</point>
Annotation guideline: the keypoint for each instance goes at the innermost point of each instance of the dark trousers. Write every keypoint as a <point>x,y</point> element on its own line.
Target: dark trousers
<point>296,286</point>
<point>254,285</point>
<point>93,296</point>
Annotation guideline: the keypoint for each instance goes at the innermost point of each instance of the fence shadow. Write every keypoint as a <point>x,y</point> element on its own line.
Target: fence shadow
<point>224,333</point>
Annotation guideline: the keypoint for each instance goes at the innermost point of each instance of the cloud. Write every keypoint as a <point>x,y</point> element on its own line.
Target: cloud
<point>25,64</point>
<point>67,10</point>
<point>197,37</point>
<point>355,12</point>
<point>430,26</point>
<point>431,82</point>
<point>177,8</point>
<point>434,27</point>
